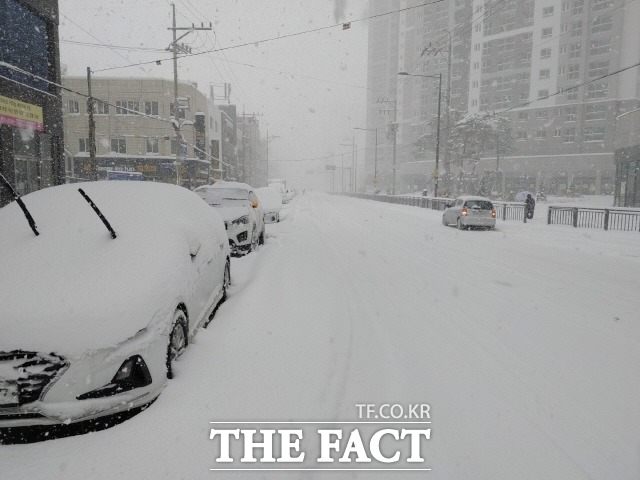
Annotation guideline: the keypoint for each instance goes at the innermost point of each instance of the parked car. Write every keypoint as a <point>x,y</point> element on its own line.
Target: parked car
<point>282,189</point>
<point>469,211</point>
<point>241,211</point>
<point>96,307</point>
<point>271,202</point>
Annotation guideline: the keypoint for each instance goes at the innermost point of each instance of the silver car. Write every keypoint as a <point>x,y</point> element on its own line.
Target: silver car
<point>469,211</point>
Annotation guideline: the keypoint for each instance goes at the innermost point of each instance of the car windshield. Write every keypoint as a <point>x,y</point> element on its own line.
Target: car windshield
<point>231,193</point>
<point>480,204</point>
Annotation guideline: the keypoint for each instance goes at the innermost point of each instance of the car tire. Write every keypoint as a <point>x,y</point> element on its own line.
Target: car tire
<point>459,224</point>
<point>178,339</point>
<point>261,240</point>
<point>444,222</point>
<point>226,281</point>
<point>255,241</point>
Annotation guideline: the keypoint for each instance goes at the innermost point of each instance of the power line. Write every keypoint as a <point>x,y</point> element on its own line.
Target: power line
<point>280,37</point>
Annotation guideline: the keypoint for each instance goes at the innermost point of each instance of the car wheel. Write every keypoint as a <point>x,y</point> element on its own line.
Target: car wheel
<point>178,340</point>
<point>226,281</point>
<point>459,224</point>
<point>444,222</point>
<point>261,240</point>
<point>254,240</point>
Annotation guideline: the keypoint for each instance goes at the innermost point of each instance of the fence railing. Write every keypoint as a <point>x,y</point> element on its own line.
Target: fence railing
<point>585,217</point>
<point>504,210</point>
<point>606,218</point>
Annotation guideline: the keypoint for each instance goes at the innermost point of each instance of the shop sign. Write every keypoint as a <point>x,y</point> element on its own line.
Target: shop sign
<point>20,114</point>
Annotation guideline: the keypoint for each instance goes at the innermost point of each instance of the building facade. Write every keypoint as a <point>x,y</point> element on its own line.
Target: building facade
<point>31,134</point>
<point>555,68</point>
<point>134,130</point>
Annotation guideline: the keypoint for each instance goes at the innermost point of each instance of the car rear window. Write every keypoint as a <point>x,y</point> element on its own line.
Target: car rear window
<point>232,193</point>
<point>481,204</point>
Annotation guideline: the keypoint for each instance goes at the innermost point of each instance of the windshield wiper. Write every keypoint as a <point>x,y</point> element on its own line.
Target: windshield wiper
<point>19,201</point>
<point>98,212</point>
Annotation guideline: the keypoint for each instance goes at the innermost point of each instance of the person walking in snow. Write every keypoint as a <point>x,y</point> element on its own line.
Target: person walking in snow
<point>529,206</point>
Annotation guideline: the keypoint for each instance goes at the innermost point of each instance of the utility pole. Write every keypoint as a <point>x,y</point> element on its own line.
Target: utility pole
<point>393,130</point>
<point>92,131</point>
<point>176,107</point>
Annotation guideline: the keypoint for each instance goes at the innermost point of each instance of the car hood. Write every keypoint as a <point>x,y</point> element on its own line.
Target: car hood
<point>231,213</point>
<point>73,288</point>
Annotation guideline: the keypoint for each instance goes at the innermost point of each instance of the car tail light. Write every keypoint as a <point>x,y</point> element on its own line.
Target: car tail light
<point>493,212</point>
<point>464,211</point>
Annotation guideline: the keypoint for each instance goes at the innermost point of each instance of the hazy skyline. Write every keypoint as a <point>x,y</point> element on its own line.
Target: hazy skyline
<point>309,89</point>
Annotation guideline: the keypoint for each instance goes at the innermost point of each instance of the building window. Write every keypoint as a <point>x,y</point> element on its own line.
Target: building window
<point>541,134</point>
<point>83,145</point>
<point>598,90</point>
<point>542,114</point>
<point>523,116</point>
<point>565,6</point>
<point>527,37</point>
<point>570,114</point>
<point>151,108</point>
<point>127,107</point>
<point>476,65</point>
<point>474,102</point>
<point>564,28</point>
<point>547,11</point>
<point>569,135</point>
<point>118,145</point>
<point>543,93</point>
<point>576,29</point>
<point>102,108</point>
<point>572,94</point>
<point>598,69</point>
<point>578,7</point>
<point>562,70</point>
<point>545,74</point>
<point>523,98</point>
<point>545,53</point>
<point>595,112</point>
<point>594,134</point>
<point>574,72</point>
<point>563,49</point>
<point>600,4</point>
<point>602,24</point>
<point>557,132</point>
<point>600,47</point>
<point>547,32</point>
<point>476,47</point>
<point>574,50</point>
<point>152,145</point>
<point>74,107</point>
<point>522,135</point>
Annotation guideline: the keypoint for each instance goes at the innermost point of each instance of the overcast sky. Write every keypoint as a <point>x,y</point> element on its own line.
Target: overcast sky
<point>309,89</point>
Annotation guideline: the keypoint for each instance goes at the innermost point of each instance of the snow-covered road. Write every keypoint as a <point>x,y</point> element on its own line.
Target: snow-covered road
<point>525,342</point>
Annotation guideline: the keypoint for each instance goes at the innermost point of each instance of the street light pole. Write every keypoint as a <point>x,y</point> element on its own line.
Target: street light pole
<point>436,173</point>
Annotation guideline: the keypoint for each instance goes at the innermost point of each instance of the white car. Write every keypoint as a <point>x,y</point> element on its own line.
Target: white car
<point>97,303</point>
<point>470,211</point>
<point>271,202</point>
<point>241,211</point>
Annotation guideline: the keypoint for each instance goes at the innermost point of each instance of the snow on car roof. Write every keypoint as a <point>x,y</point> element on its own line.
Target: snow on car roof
<point>73,287</point>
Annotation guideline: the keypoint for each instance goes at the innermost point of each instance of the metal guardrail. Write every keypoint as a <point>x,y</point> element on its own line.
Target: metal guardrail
<point>504,210</point>
<point>606,218</point>
<point>584,217</point>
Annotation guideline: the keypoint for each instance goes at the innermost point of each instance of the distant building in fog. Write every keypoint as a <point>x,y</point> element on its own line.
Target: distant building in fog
<point>538,61</point>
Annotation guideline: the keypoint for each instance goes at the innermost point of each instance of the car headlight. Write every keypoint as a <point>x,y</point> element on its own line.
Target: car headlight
<point>241,221</point>
<point>133,373</point>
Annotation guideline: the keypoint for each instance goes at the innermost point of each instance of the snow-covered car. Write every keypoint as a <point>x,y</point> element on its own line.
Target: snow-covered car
<point>271,201</point>
<point>282,189</point>
<point>101,295</point>
<point>470,211</point>
<point>241,211</point>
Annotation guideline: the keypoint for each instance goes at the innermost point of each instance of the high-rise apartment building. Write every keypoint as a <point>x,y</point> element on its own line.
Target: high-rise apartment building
<point>555,68</point>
